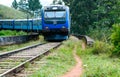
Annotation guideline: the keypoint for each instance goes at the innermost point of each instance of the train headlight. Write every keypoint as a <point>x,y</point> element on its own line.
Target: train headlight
<point>46,27</point>
<point>54,8</point>
<point>63,26</point>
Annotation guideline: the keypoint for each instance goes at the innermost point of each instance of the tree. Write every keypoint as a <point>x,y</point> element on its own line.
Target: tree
<point>60,2</point>
<point>23,5</point>
<point>34,5</point>
<point>54,2</point>
<point>15,4</point>
<point>87,14</point>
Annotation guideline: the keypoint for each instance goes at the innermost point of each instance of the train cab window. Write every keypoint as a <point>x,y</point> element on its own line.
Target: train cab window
<point>60,14</point>
<point>54,14</point>
<point>49,15</point>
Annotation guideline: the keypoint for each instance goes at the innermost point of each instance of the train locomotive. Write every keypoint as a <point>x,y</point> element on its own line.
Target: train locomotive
<point>55,22</point>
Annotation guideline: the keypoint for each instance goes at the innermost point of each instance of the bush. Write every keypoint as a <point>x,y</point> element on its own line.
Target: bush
<point>100,33</point>
<point>101,47</point>
<point>11,33</point>
<point>115,37</point>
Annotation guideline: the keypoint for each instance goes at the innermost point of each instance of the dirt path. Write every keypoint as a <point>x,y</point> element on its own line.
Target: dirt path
<point>76,71</point>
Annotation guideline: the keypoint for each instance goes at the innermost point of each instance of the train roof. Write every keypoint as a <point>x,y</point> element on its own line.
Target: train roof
<point>19,19</point>
<point>50,7</point>
<point>55,5</point>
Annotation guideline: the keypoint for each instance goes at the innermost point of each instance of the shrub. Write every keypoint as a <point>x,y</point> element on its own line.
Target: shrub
<point>98,47</point>
<point>100,33</point>
<point>115,37</point>
<point>21,33</point>
<point>11,33</point>
<point>101,47</point>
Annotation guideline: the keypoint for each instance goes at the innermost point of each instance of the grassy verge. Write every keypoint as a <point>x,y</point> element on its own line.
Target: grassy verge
<point>10,13</point>
<point>98,63</point>
<point>11,33</point>
<point>16,46</point>
<point>58,62</point>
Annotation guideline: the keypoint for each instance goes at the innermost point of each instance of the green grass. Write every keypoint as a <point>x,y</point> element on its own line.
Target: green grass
<point>99,64</point>
<point>10,13</point>
<point>16,46</point>
<point>11,33</point>
<point>58,62</point>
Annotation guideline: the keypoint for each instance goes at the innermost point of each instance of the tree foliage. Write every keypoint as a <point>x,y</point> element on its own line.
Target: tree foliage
<point>23,6</point>
<point>15,4</point>
<point>34,5</point>
<point>116,38</point>
<point>28,5</point>
<point>92,13</point>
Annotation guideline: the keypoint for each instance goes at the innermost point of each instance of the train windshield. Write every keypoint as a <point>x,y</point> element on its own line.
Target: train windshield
<point>54,14</point>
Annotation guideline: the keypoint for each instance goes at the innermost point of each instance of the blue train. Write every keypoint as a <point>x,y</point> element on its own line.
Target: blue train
<point>54,23</point>
<point>33,25</point>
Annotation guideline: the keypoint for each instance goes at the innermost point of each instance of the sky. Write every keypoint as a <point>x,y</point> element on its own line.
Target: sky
<point>9,2</point>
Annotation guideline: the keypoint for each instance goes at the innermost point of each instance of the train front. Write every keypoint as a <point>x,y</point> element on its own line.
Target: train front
<point>55,22</point>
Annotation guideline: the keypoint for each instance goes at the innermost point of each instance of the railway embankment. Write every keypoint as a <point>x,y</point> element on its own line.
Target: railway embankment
<point>7,48</point>
<point>7,40</point>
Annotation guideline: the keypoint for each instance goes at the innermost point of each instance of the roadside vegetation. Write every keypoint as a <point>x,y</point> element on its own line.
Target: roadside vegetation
<point>100,20</point>
<point>115,37</point>
<point>98,62</point>
<point>11,33</point>
<point>102,59</point>
<point>17,46</point>
<point>99,65</point>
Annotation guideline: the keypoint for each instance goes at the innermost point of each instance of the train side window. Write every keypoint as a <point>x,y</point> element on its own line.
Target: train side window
<point>35,23</point>
<point>24,23</point>
<point>8,23</point>
<point>17,23</point>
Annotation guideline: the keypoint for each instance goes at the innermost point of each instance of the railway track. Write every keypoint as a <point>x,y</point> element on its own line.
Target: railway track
<point>13,62</point>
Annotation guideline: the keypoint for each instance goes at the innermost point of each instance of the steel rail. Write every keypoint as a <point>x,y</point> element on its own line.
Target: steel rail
<point>21,65</point>
<point>18,50</point>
